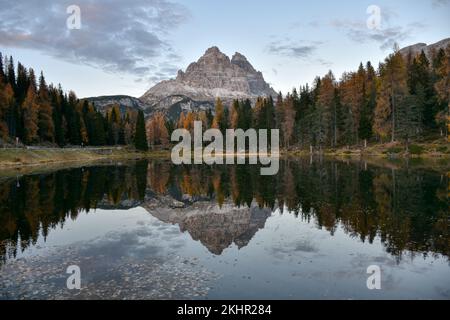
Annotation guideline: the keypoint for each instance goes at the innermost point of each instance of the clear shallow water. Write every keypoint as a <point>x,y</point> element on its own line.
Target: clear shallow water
<point>155,231</point>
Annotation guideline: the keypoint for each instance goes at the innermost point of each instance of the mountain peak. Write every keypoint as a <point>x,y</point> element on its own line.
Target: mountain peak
<point>213,75</point>
<point>241,61</point>
<point>213,50</point>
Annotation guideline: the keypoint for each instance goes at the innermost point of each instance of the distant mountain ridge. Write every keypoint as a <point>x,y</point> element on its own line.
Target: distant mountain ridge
<point>427,49</point>
<point>126,103</point>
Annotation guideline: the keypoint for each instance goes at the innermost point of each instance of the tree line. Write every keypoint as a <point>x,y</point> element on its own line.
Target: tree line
<point>33,112</point>
<point>406,99</point>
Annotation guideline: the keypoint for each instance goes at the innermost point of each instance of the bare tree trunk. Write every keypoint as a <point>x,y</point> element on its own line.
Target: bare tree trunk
<point>393,114</point>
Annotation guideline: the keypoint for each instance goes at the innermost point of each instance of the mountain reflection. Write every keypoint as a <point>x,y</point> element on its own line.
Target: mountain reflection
<point>220,205</point>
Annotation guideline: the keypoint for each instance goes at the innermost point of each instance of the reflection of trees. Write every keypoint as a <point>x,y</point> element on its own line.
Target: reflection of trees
<point>35,204</point>
<point>407,210</point>
<point>404,208</point>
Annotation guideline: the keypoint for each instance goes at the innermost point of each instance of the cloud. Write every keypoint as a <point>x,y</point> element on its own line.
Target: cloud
<point>324,62</point>
<point>292,50</point>
<point>386,36</point>
<point>302,24</point>
<point>115,35</point>
<point>439,3</point>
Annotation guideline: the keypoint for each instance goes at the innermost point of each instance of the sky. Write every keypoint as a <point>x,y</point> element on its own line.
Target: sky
<point>125,47</point>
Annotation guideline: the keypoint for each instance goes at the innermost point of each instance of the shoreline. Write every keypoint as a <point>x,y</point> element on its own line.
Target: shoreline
<point>26,161</point>
<point>23,161</point>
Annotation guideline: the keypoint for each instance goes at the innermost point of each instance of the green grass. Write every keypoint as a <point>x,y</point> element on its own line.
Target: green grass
<point>416,149</point>
<point>394,150</point>
<point>442,149</point>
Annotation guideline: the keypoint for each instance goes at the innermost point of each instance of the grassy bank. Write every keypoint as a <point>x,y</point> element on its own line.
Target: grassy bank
<point>34,157</point>
<point>21,158</point>
<point>432,149</point>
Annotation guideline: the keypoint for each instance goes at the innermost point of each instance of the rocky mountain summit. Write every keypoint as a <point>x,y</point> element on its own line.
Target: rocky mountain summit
<point>216,227</point>
<point>213,75</point>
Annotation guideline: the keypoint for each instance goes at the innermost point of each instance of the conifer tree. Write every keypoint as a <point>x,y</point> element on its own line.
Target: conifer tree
<point>45,117</point>
<point>368,107</point>
<point>140,140</point>
<point>7,103</point>
<point>2,70</point>
<point>220,117</point>
<point>30,110</point>
<point>393,92</point>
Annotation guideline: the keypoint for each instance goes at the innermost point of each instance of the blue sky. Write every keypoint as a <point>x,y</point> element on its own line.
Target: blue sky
<point>123,47</point>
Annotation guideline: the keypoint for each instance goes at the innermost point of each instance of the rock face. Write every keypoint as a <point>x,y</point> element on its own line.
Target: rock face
<point>213,75</point>
<point>216,227</point>
<point>428,49</point>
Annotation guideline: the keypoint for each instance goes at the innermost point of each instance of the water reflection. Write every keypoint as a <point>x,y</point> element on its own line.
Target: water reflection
<point>221,205</point>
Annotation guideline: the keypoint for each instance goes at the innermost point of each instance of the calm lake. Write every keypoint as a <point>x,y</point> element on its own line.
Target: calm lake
<point>152,230</point>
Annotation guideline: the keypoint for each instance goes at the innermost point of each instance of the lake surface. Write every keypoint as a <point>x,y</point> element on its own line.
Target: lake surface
<point>152,230</point>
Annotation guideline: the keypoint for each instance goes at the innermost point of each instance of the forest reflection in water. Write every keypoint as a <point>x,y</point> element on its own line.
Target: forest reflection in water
<point>406,209</point>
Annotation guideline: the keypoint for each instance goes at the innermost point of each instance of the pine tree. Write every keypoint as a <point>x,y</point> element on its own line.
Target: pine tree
<point>45,117</point>
<point>7,103</point>
<point>22,83</point>
<point>30,110</point>
<point>245,115</point>
<point>324,111</point>
<point>156,129</point>
<point>128,129</point>
<point>114,125</point>
<point>140,140</point>
<point>10,74</point>
<point>420,85</point>
<point>288,121</point>
<point>2,70</point>
<point>99,133</point>
<point>279,110</point>
<point>393,91</point>
<point>442,85</point>
<point>234,114</point>
<point>56,102</point>
<point>304,116</point>
<point>73,120</point>
<point>259,114</point>
<point>220,117</point>
<point>352,94</point>
<point>368,108</point>
<point>382,114</point>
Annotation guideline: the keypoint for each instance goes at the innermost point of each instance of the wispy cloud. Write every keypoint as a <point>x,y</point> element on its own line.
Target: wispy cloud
<point>116,36</point>
<point>292,50</point>
<point>386,36</point>
<point>440,3</point>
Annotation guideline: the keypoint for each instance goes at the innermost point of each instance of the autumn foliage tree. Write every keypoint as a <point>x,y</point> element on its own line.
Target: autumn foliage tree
<point>157,133</point>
